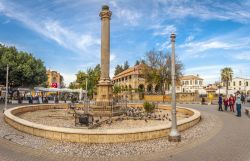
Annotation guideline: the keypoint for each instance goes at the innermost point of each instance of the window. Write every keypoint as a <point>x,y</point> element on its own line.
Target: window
<point>200,83</point>
<point>239,83</point>
<point>191,82</point>
<point>246,83</point>
<point>234,83</point>
<point>228,83</point>
<point>196,82</point>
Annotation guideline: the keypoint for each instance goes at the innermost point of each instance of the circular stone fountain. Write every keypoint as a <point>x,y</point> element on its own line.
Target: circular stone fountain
<point>52,121</point>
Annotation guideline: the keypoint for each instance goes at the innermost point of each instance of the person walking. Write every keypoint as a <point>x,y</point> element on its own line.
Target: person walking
<point>242,98</point>
<point>226,102</point>
<point>231,103</point>
<point>238,104</point>
<point>220,103</point>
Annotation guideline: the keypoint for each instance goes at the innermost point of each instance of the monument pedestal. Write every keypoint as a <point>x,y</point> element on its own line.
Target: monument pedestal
<point>104,101</point>
<point>104,93</point>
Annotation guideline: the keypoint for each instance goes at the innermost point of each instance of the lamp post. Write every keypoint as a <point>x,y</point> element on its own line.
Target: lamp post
<point>174,135</point>
<point>6,91</point>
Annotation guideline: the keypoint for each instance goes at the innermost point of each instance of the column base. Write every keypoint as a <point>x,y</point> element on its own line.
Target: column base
<point>174,136</point>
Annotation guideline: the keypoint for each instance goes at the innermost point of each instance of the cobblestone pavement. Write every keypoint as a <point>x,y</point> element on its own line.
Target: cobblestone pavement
<point>229,141</point>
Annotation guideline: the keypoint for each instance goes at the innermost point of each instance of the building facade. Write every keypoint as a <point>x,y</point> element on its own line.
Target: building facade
<point>55,80</point>
<point>190,84</point>
<point>240,84</point>
<point>132,79</point>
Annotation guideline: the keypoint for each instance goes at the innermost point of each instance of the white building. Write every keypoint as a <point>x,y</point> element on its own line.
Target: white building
<point>190,83</point>
<point>240,84</point>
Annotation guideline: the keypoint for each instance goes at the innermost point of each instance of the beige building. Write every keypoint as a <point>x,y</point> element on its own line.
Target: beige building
<point>130,79</point>
<point>240,84</point>
<point>54,79</point>
<point>190,83</point>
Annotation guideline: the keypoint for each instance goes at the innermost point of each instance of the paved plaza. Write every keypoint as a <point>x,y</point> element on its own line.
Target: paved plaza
<point>228,140</point>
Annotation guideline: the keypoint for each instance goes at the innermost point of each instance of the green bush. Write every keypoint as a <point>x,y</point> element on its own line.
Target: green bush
<point>149,107</point>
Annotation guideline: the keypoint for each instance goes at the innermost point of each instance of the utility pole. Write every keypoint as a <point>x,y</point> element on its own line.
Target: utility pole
<point>174,135</point>
<point>6,91</point>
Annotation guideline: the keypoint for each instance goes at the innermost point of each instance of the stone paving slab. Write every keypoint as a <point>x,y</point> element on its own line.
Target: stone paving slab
<point>231,142</point>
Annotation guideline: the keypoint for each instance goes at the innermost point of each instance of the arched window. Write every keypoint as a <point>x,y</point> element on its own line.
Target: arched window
<point>141,87</point>
<point>150,88</point>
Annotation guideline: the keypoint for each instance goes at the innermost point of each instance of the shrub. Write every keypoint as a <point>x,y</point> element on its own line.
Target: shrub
<point>149,107</point>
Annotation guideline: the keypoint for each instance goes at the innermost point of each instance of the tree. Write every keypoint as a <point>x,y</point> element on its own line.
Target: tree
<point>157,69</point>
<point>126,65</point>
<point>72,85</point>
<point>81,79</point>
<point>24,69</point>
<point>142,61</point>
<point>92,75</point>
<point>118,69</point>
<point>116,90</point>
<point>62,84</point>
<point>226,76</point>
<point>137,62</point>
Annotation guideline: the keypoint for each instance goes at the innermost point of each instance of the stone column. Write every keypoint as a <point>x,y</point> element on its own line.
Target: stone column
<point>105,15</point>
<point>104,90</point>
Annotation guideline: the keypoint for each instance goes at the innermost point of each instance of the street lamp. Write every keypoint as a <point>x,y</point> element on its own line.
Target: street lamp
<point>174,135</point>
<point>6,91</point>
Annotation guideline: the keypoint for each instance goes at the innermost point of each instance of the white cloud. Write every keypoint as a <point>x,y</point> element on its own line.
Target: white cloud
<point>163,30</point>
<point>211,73</point>
<point>196,48</point>
<point>112,57</point>
<point>189,38</point>
<point>235,10</point>
<point>52,29</point>
<point>242,56</point>
<point>128,16</point>
<point>68,77</point>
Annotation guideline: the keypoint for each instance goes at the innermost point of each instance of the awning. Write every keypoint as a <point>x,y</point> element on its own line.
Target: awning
<point>66,90</point>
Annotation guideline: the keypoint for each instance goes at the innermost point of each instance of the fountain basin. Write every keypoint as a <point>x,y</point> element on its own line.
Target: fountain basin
<point>11,116</point>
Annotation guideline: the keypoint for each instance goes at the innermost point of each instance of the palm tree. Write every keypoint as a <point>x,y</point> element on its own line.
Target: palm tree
<point>226,76</point>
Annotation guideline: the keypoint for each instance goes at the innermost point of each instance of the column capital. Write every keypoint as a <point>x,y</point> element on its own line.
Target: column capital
<point>173,36</point>
<point>105,13</point>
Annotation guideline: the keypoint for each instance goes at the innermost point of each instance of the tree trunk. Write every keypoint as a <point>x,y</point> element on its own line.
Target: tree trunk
<point>227,88</point>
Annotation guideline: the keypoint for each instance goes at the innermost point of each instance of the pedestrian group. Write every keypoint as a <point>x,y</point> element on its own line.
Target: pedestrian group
<point>230,102</point>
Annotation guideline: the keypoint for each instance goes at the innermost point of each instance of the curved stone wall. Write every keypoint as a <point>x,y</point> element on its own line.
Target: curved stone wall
<point>94,135</point>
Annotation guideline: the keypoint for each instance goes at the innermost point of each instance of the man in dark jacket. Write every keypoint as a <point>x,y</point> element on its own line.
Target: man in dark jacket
<point>220,103</point>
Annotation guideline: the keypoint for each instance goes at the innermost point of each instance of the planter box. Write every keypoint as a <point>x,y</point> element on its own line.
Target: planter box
<point>14,101</point>
<point>35,101</point>
<point>61,101</point>
<point>25,101</point>
<point>51,101</point>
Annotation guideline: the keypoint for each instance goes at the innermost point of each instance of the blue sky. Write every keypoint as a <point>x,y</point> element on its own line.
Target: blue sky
<point>65,34</point>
